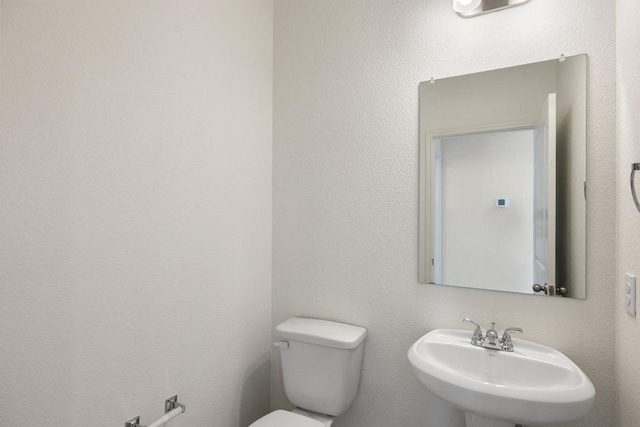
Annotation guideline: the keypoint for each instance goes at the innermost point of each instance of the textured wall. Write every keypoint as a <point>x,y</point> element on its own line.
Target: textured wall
<point>135,179</point>
<point>628,100</point>
<point>346,185</point>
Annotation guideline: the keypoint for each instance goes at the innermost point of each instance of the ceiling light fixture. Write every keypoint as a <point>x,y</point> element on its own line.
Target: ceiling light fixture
<point>466,6</point>
<point>470,8</point>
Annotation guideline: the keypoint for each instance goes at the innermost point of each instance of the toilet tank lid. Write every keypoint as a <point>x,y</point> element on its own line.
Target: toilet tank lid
<point>321,332</point>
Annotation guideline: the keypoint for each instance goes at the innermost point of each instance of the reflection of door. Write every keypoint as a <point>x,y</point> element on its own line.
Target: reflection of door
<point>437,212</point>
<point>544,195</point>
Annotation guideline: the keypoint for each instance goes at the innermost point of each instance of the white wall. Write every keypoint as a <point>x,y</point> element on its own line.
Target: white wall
<point>484,246</point>
<point>135,179</point>
<point>628,237</point>
<point>346,185</point>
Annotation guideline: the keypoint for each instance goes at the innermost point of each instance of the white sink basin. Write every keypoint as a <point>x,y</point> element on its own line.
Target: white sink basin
<point>535,384</point>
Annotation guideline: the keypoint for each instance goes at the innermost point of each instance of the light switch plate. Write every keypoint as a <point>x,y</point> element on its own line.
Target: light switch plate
<point>630,294</point>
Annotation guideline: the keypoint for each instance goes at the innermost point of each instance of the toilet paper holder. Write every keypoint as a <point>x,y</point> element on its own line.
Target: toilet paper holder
<point>170,406</point>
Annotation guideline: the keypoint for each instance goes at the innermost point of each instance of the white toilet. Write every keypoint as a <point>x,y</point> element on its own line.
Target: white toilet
<point>321,363</point>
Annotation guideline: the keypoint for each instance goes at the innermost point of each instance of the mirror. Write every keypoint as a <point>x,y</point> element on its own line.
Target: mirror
<point>503,179</point>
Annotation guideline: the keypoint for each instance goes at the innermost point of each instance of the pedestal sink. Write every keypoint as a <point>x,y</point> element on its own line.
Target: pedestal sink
<point>533,385</point>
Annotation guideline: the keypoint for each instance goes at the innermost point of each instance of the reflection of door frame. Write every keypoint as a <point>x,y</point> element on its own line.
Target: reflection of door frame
<point>427,216</point>
<point>544,205</point>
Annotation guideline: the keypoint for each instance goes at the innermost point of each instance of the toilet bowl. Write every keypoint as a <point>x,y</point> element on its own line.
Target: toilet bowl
<point>321,364</point>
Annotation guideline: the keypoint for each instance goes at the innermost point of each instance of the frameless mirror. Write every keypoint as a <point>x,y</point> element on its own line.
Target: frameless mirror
<point>503,179</point>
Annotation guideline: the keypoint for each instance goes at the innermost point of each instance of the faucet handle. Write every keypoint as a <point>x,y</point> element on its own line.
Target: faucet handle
<point>477,333</point>
<point>473,322</point>
<point>511,330</point>
<point>506,342</point>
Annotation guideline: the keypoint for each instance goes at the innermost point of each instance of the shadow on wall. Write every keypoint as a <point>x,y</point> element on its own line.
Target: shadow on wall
<point>254,402</point>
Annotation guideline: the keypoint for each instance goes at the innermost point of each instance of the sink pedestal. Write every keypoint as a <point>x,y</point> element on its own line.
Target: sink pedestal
<point>474,420</point>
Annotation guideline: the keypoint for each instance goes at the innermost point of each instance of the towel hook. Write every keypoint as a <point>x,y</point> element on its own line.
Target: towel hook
<point>634,168</point>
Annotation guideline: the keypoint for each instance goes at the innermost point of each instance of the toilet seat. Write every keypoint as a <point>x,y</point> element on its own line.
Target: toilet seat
<point>281,418</point>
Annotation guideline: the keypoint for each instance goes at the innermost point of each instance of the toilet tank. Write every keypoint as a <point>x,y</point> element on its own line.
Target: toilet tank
<point>321,366</point>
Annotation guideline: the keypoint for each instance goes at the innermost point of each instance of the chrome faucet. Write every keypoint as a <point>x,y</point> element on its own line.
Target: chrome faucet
<point>491,339</point>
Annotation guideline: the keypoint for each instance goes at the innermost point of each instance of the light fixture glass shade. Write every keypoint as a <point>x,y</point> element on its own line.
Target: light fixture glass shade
<point>466,6</point>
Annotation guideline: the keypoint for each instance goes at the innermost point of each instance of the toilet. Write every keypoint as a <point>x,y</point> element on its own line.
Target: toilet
<point>321,362</point>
